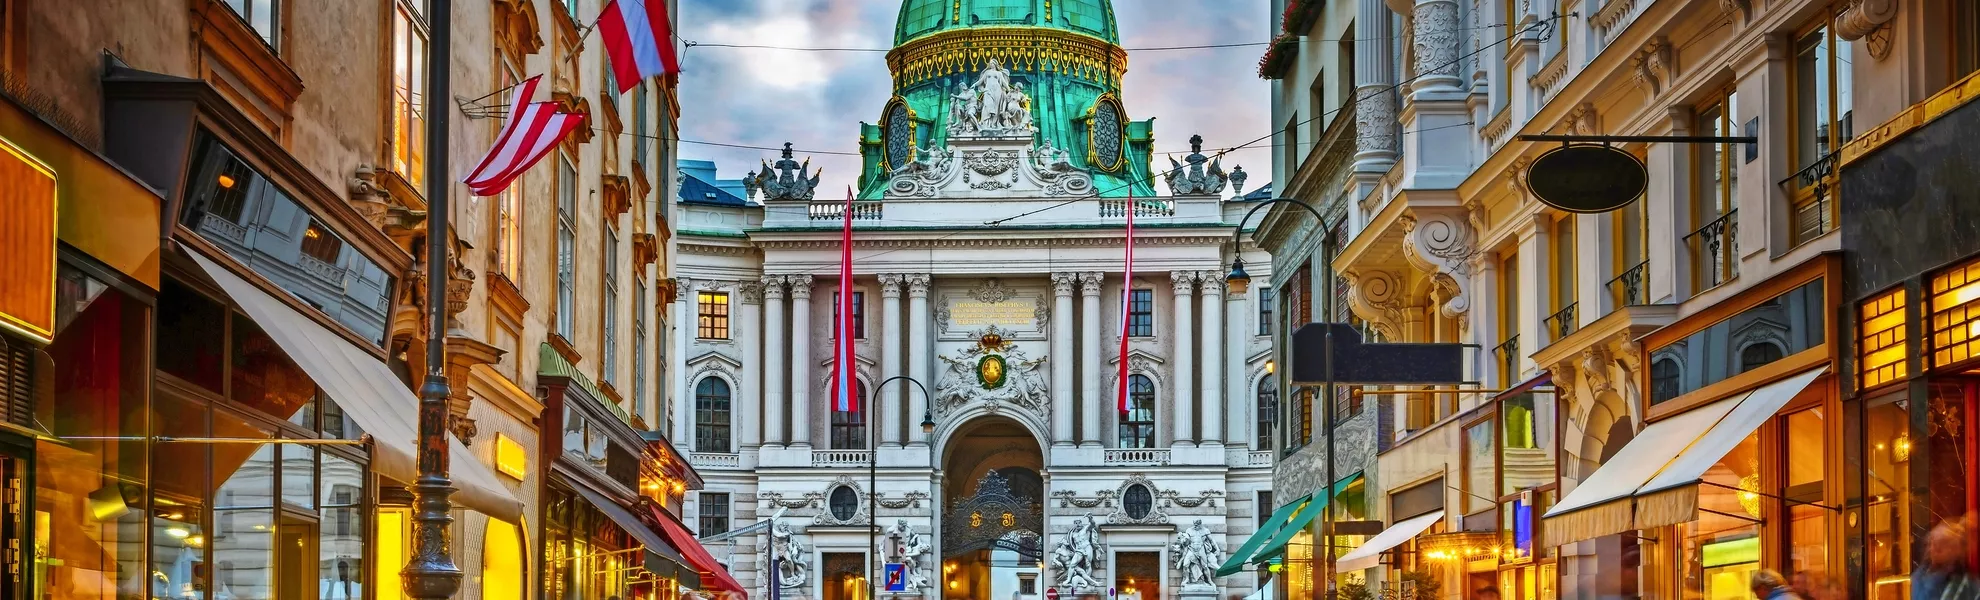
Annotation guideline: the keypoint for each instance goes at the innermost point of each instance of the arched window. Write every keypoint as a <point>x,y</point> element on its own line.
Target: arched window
<point>711,415</point>
<point>1755,355</point>
<point>844,503</point>
<point>1137,501</point>
<point>1268,413</point>
<point>849,427</point>
<point>1663,380</point>
<point>1138,424</point>
<point>504,561</point>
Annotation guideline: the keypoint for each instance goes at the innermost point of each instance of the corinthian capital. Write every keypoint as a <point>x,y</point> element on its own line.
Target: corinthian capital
<point>1062,283</point>
<point>773,287</point>
<point>1089,282</point>
<point>1183,282</point>
<point>890,285</point>
<point>800,286</point>
<point>917,284</point>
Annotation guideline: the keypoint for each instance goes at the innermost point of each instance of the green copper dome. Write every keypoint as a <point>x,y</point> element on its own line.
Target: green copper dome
<point>922,18</point>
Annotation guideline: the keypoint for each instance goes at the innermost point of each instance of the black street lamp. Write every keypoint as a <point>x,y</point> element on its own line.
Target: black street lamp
<point>873,482</point>
<point>431,572</point>
<point>1237,282</point>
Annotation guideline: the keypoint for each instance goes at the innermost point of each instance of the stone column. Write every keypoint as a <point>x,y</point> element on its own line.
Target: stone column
<point>1211,402</point>
<point>800,406</point>
<point>774,373</point>
<point>1094,408</point>
<point>1375,103</point>
<point>744,327</point>
<point>918,354</point>
<point>1435,118</point>
<point>887,399</point>
<point>1061,358</point>
<point>683,418</point>
<point>1436,46</point>
<point>1183,283</point>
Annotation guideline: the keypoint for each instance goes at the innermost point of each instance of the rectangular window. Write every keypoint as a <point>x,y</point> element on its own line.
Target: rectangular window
<point>640,128</point>
<point>713,311</point>
<point>1565,319</point>
<point>1508,351</point>
<point>639,347</point>
<point>1881,343</point>
<point>1824,120</point>
<point>1141,313</point>
<point>1264,507</point>
<point>1796,320</point>
<point>409,96</point>
<point>1265,301</point>
<point>566,247</point>
<point>1138,423</point>
<point>609,307</point>
<point>1966,39</point>
<point>1715,184</point>
<point>714,514</point>
<point>263,16</point>
<point>508,211</point>
<point>858,316</point>
<point>1630,284</point>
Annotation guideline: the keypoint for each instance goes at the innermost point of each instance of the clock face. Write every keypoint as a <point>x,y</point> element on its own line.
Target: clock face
<point>899,135</point>
<point>1106,137</point>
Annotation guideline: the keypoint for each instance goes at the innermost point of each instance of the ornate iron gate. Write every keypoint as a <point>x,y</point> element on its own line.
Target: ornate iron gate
<point>995,517</point>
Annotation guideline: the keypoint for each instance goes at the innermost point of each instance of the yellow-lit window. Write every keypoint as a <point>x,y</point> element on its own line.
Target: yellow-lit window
<point>1882,345</point>
<point>1955,314</point>
<point>1507,352</point>
<point>409,95</point>
<point>713,311</point>
<point>503,566</point>
<point>393,531</point>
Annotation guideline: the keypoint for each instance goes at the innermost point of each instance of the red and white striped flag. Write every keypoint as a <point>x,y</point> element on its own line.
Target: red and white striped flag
<point>1127,303</point>
<point>640,37</point>
<point>842,345</point>
<point>531,131</point>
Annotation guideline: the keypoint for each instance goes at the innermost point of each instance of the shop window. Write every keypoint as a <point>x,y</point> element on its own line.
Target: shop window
<point>849,426</point>
<point>1715,185</point>
<point>190,341</point>
<point>1137,501</point>
<point>1138,423</point>
<point>409,96</point>
<point>566,248</point>
<point>844,503</point>
<point>1788,324</point>
<point>713,315</point>
<point>1881,340</point>
<point>264,377</point>
<point>1526,443</point>
<point>1955,307</point>
<point>1804,453</point>
<point>714,513</point>
<point>1267,413</point>
<point>1139,573</point>
<point>574,433</point>
<point>263,16</point>
<point>711,415</point>
<point>391,553</point>
<point>504,562</point>
<point>1720,550</point>
<point>858,315</point>
<point>1141,313</point>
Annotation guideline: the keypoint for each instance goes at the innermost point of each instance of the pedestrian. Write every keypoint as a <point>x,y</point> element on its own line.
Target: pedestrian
<point>1768,585</point>
<point>1945,574</point>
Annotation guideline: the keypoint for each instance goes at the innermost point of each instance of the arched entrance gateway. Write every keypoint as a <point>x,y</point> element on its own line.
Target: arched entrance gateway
<point>992,510</point>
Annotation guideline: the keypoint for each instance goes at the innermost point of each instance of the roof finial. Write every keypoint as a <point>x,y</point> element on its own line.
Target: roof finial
<point>1195,143</point>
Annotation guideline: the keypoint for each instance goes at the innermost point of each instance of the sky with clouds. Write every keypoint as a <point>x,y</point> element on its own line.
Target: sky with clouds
<point>816,100</point>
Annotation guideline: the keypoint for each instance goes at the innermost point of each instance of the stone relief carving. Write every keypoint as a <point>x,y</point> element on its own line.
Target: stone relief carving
<point>1197,557</point>
<point>993,372</point>
<point>1583,120</point>
<point>990,169</point>
<point>1376,297</point>
<point>992,291</point>
<point>800,286</point>
<point>994,106</point>
<point>923,177</point>
<point>1077,554</point>
<point>825,517</point>
<point>1595,369</point>
<point>1069,498</point>
<point>795,563</point>
<point>1041,313</point>
<point>1654,67</point>
<point>1736,10</point>
<point>1182,282</point>
<point>1441,243</point>
<point>793,181</point>
<point>890,285</point>
<point>1155,514</point>
<point>1053,167</point>
<point>908,500</point>
<point>1172,497</point>
<point>1197,179</point>
<point>1089,283</point>
<point>1062,283</point>
<point>751,292</point>
<point>1374,120</point>
<point>1436,38</point>
<point>917,285</point>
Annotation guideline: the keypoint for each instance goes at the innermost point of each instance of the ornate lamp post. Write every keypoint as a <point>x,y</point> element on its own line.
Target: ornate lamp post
<point>431,572</point>
<point>1237,281</point>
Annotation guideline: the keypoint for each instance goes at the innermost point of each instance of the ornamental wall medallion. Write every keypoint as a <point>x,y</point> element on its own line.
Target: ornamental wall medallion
<point>990,371</point>
<point>1106,134</point>
<point>897,129</point>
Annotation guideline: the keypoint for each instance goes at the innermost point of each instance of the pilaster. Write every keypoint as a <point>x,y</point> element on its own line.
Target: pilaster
<point>775,376</point>
<point>1061,358</point>
<point>800,405</point>
<point>1093,405</point>
<point>1182,333</point>
<point>887,398</point>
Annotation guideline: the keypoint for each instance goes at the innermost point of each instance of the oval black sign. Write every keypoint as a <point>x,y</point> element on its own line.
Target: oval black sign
<point>1587,179</point>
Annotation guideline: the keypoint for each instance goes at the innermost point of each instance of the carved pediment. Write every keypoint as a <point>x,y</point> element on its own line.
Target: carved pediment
<point>516,27</point>
<point>569,102</point>
<point>617,196</point>
<point>646,251</point>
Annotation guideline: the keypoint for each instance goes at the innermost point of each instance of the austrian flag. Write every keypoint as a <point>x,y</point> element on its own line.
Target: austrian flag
<point>531,131</point>
<point>640,37</point>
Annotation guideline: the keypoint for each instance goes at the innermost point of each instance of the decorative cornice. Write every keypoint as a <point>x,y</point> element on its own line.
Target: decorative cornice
<point>833,243</point>
<point>713,250</point>
<point>1032,49</point>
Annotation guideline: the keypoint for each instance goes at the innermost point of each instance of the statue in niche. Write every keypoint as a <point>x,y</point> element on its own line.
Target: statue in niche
<point>1197,556</point>
<point>992,106</point>
<point>1076,554</point>
<point>795,566</point>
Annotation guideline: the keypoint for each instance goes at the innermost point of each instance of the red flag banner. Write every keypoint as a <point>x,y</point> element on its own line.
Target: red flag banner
<point>842,344</point>
<point>639,36</point>
<point>531,131</point>
<point>1127,304</point>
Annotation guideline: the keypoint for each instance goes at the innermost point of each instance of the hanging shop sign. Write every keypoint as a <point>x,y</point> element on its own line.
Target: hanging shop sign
<point>1587,178</point>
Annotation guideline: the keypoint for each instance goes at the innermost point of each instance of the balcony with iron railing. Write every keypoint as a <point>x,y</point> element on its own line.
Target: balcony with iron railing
<point>1563,322</point>
<point>1507,353</point>
<point>1715,251</point>
<point>829,210</point>
<point>1810,194</point>
<point>1632,287</point>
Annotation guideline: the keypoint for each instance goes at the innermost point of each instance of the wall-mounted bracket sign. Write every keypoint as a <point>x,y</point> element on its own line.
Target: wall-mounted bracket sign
<point>1588,175</point>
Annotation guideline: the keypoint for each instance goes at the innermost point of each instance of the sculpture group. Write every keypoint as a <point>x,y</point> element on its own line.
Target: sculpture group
<point>1197,557</point>
<point>1075,555</point>
<point>994,106</point>
<point>902,544</point>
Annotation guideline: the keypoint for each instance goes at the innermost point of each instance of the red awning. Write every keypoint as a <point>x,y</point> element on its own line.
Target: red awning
<point>713,574</point>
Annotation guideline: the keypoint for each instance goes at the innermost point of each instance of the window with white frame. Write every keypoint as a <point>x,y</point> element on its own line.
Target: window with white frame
<point>566,247</point>
<point>608,307</point>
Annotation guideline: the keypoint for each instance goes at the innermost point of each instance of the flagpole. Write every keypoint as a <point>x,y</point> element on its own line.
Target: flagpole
<point>431,574</point>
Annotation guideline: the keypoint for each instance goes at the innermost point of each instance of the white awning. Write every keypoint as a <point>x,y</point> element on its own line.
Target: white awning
<point>1665,461</point>
<point>368,391</point>
<point>1370,552</point>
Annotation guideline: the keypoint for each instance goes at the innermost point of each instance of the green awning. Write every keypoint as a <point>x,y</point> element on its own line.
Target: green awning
<point>1270,539</point>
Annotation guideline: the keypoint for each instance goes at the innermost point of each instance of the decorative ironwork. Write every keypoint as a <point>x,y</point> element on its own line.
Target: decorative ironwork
<point>1812,218</point>
<point>1508,354</point>
<point>1715,251</point>
<point>1564,322</point>
<point>1632,287</point>
<point>977,522</point>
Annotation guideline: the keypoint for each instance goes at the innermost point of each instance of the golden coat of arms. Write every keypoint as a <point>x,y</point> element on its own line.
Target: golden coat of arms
<point>993,370</point>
